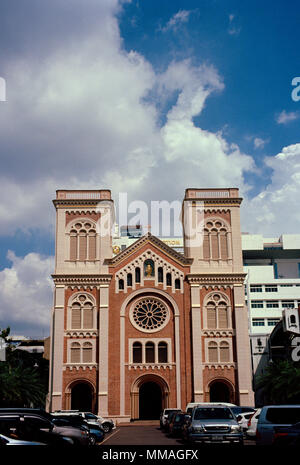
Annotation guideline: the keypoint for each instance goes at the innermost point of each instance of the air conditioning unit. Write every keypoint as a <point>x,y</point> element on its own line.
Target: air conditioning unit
<point>290,320</point>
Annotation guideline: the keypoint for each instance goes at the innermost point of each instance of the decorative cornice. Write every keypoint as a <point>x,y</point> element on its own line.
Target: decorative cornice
<point>148,239</point>
<point>218,333</point>
<point>216,279</point>
<point>82,280</point>
<point>216,201</point>
<point>72,202</point>
<point>221,366</point>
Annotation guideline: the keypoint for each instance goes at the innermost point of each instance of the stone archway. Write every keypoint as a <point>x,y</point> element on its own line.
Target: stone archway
<point>220,391</point>
<point>81,395</point>
<point>149,396</point>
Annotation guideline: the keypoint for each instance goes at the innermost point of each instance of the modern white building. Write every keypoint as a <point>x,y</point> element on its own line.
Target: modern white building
<point>273,278</point>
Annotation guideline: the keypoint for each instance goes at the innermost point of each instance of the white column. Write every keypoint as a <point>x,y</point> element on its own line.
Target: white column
<point>103,351</point>
<point>177,352</point>
<point>196,343</point>
<point>57,347</point>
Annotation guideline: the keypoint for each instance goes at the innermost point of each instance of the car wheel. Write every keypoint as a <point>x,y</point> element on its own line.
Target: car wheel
<point>92,440</point>
<point>106,427</point>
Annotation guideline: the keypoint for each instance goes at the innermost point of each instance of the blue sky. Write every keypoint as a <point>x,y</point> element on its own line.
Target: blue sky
<point>144,97</point>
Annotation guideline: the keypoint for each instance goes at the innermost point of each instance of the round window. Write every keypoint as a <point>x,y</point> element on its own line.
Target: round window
<point>149,315</point>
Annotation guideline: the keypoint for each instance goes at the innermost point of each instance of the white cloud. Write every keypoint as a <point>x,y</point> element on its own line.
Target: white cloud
<point>232,29</point>
<point>276,209</point>
<point>26,293</point>
<point>285,117</point>
<point>179,18</point>
<point>259,142</point>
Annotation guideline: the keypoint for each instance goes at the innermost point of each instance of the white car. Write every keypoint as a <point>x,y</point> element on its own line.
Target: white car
<point>90,418</point>
<point>252,424</point>
<point>164,415</point>
<point>243,419</point>
<point>7,441</point>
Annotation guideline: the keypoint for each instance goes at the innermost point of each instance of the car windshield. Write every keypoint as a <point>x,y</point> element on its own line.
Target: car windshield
<point>169,412</point>
<point>213,414</point>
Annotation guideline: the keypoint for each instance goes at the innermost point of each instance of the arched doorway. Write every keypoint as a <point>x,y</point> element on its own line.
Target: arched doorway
<point>149,396</point>
<point>150,401</point>
<point>219,392</point>
<point>82,397</point>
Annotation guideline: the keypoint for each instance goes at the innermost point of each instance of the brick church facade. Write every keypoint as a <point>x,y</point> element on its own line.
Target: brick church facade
<point>148,328</point>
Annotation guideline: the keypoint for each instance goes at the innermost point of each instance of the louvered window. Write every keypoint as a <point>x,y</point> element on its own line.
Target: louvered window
<point>223,245</point>
<point>82,246</point>
<point>211,317</point>
<point>206,248</point>
<point>87,353</point>
<point>75,352</point>
<point>214,245</point>
<point>73,245</point>
<point>213,352</point>
<point>224,352</point>
<point>76,316</point>
<point>88,316</point>
<point>222,317</point>
<point>92,245</point>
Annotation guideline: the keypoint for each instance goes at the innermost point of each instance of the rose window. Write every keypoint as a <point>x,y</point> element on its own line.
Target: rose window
<point>149,315</point>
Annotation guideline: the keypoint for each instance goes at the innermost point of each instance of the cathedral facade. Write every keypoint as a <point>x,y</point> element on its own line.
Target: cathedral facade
<point>148,328</point>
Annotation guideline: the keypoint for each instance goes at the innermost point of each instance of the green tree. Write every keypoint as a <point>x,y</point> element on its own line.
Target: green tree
<point>21,384</point>
<point>281,382</point>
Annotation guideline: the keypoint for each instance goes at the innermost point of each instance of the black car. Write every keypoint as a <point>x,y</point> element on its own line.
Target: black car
<point>28,425</point>
<point>176,423</point>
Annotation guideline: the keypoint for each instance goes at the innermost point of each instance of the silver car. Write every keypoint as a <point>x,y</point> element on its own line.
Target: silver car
<point>213,424</point>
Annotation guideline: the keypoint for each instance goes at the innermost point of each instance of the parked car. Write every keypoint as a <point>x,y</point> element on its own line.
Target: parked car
<point>7,441</point>
<point>243,419</point>
<point>252,424</point>
<point>96,432</point>
<point>79,433</point>
<point>272,416</point>
<point>169,419</point>
<point>287,435</point>
<point>90,418</point>
<point>213,424</point>
<point>164,415</point>
<point>191,405</point>
<point>240,410</point>
<point>177,422</point>
<point>28,425</point>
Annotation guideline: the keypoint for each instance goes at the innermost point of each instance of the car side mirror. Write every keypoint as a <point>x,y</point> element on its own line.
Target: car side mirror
<point>239,418</point>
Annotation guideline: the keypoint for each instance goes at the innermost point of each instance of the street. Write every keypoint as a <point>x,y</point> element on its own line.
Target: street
<point>149,434</point>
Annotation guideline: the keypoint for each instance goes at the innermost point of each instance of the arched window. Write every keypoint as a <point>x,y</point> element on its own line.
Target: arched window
<point>82,312</point>
<point>215,240</point>
<point>87,352</point>
<point>213,352</point>
<point>224,352</point>
<point>75,352</point>
<point>162,352</point>
<point>150,352</point>
<point>88,315</point>
<point>137,352</point>
<point>160,275</point>
<point>83,242</point>
<point>137,275</point>
<point>177,283</point>
<point>76,316</point>
<point>129,279</point>
<point>211,316</point>
<point>217,312</point>
<point>169,279</point>
<point>121,284</point>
